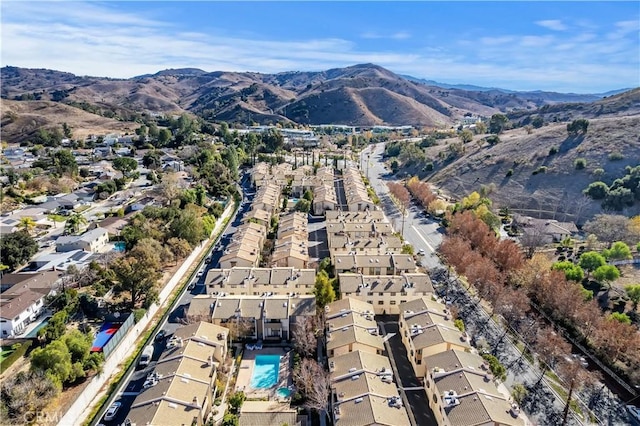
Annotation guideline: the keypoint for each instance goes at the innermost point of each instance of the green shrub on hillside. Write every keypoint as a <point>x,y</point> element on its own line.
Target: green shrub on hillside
<point>580,163</point>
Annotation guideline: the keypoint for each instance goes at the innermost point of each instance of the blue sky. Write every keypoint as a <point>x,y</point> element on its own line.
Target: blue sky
<point>582,47</point>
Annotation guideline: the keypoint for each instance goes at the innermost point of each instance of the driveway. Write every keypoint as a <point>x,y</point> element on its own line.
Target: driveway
<point>418,405</point>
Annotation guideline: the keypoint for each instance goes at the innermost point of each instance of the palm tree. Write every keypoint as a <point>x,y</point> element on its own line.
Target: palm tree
<point>27,223</point>
<point>75,220</point>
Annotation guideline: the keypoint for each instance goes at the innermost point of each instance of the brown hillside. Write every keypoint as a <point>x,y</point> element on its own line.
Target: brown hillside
<point>559,190</point>
<point>21,119</point>
<point>361,94</point>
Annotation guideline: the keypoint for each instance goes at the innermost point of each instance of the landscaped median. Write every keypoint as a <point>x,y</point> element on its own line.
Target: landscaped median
<point>95,397</point>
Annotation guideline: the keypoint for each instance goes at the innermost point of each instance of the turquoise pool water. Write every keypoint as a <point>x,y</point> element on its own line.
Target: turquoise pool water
<point>120,246</point>
<point>265,371</point>
<point>284,392</point>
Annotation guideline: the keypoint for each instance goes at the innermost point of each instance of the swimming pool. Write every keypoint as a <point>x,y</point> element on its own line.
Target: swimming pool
<point>265,371</point>
<point>284,392</point>
<point>120,246</point>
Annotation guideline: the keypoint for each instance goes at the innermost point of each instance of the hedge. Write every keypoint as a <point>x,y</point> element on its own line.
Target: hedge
<point>15,355</point>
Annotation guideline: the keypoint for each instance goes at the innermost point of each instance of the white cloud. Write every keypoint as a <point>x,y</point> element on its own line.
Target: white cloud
<point>400,35</point>
<point>552,24</point>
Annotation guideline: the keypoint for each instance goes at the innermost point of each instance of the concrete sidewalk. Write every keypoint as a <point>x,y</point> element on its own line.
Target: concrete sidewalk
<point>85,402</point>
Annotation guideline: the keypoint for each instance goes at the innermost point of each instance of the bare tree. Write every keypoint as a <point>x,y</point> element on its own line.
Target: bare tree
<point>531,240</point>
<point>403,198</point>
<point>575,376</point>
<point>550,348</point>
<point>240,328</point>
<point>610,228</point>
<point>304,335</point>
<point>196,318</point>
<point>314,383</point>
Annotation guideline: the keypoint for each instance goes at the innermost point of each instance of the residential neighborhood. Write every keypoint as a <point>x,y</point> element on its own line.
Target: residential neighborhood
<point>291,293</point>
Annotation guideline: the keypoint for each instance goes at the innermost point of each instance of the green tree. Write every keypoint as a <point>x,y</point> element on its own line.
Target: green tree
<point>179,247</point>
<point>79,345</point>
<point>571,271</point>
<point>481,128</point>
<point>308,195</point>
<point>591,260</point>
<point>537,122</point>
<point>55,328</point>
<point>497,123</point>
<point>64,163</point>
<point>188,226</point>
<point>138,272</point>
<point>618,251</point>
<point>66,131</point>
<point>323,290</point>
<point>17,248</point>
<point>54,360</point>
<point>303,205</point>
<point>597,190</point>
<point>606,274</point>
<point>164,137</point>
<point>620,317</point>
<point>466,136</point>
<point>519,393</point>
<point>633,291</point>
<point>152,160</point>
<point>125,165</point>
<point>236,400</point>
<point>27,224</point>
<point>76,220</point>
<point>230,419</point>
<point>578,126</point>
<point>496,368</point>
<point>273,140</point>
<point>407,249</point>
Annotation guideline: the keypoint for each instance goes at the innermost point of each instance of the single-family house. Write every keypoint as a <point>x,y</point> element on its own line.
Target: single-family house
<point>91,241</point>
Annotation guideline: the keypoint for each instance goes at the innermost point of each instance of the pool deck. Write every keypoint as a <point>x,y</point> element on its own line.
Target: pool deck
<point>246,370</point>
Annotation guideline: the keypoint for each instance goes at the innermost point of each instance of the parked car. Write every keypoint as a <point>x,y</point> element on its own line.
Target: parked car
<point>634,411</point>
<point>161,335</point>
<point>208,259</point>
<point>191,285</point>
<point>421,252</point>
<point>199,274</point>
<point>112,411</point>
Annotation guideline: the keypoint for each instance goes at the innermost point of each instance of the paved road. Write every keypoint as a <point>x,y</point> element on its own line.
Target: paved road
<point>543,404</point>
<point>426,234</point>
<point>318,245</point>
<point>416,400</point>
<point>422,233</point>
<point>133,384</point>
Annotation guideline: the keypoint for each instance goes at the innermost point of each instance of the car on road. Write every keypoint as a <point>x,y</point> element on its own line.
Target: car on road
<point>162,334</point>
<point>112,411</point>
<point>421,252</point>
<point>634,411</point>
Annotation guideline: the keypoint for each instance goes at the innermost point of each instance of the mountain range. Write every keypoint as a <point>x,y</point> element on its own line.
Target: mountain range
<point>364,94</point>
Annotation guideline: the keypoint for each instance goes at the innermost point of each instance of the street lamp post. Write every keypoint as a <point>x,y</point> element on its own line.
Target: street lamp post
<point>368,157</point>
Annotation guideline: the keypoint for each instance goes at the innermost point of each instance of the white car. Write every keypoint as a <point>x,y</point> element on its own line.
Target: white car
<point>421,252</point>
<point>111,412</point>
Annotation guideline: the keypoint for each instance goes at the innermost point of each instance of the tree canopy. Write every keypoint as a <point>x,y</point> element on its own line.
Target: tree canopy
<point>17,248</point>
<point>125,165</point>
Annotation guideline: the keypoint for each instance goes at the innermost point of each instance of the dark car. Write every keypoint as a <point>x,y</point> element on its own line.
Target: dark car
<point>161,335</point>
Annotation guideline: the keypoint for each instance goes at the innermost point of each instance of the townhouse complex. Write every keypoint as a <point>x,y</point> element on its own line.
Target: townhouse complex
<point>363,389</point>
